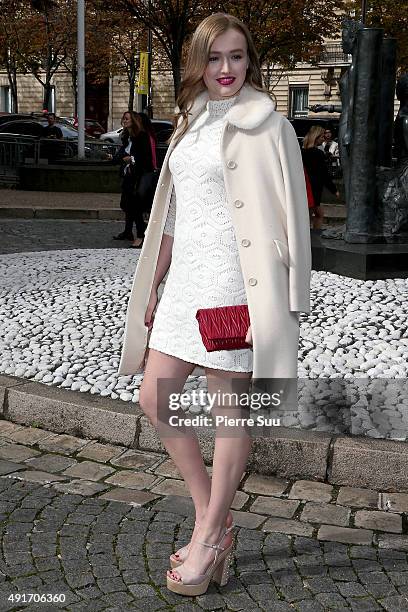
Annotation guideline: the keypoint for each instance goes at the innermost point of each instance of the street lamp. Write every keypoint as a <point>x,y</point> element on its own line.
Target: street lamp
<point>363,11</point>
<point>81,77</point>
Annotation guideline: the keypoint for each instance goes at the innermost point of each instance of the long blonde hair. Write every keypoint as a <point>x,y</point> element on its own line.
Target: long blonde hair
<point>313,134</point>
<point>192,83</point>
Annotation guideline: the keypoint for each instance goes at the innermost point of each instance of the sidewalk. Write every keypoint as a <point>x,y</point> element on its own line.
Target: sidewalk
<point>59,205</point>
<point>95,523</point>
<point>48,205</point>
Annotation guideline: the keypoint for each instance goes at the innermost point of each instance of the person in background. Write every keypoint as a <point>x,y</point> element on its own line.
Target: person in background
<point>329,145</point>
<point>314,163</point>
<point>51,130</point>
<point>135,158</point>
<point>148,127</point>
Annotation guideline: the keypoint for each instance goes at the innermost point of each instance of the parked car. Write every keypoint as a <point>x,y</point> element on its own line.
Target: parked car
<point>51,148</point>
<point>162,127</point>
<point>92,127</point>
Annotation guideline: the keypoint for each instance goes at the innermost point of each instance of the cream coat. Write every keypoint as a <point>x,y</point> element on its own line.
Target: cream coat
<point>266,193</point>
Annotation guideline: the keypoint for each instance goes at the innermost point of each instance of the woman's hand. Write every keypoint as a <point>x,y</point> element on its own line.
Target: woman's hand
<point>337,194</point>
<point>127,159</point>
<point>248,337</point>
<point>148,321</point>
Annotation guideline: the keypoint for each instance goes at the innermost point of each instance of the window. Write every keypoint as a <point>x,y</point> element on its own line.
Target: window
<point>5,99</point>
<point>298,100</point>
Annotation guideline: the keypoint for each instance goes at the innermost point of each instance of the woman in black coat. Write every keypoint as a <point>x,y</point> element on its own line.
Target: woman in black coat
<point>314,162</point>
<point>135,158</point>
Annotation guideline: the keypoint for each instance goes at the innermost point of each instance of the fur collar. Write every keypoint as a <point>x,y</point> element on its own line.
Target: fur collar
<point>249,111</point>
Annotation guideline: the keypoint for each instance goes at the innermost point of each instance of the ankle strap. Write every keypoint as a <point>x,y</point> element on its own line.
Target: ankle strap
<point>217,547</point>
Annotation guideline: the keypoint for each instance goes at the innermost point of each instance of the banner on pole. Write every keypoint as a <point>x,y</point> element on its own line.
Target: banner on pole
<point>143,80</point>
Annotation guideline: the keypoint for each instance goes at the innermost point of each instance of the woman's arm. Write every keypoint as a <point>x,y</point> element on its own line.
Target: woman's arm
<point>163,260</point>
<point>141,151</point>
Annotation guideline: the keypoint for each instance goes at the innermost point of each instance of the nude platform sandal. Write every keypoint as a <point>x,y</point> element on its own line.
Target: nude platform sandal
<point>177,559</point>
<point>218,571</point>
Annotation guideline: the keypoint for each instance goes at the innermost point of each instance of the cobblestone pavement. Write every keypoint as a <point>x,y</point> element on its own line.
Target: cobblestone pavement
<point>92,525</point>
<point>18,235</point>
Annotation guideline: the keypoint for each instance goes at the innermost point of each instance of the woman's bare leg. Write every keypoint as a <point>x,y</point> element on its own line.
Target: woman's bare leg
<point>318,218</point>
<point>232,447</point>
<point>184,450</point>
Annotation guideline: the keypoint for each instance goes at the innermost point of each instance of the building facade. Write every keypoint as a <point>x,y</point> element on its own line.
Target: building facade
<point>295,91</point>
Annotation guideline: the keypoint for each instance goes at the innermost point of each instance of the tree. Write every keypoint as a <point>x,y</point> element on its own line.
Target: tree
<point>12,39</point>
<point>392,15</point>
<point>171,22</point>
<point>113,44</point>
<point>286,33</point>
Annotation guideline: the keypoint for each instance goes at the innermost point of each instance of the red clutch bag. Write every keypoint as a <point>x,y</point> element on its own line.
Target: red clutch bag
<point>224,328</point>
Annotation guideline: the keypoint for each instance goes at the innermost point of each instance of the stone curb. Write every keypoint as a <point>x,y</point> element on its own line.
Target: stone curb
<point>333,213</point>
<point>287,453</point>
<point>102,214</point>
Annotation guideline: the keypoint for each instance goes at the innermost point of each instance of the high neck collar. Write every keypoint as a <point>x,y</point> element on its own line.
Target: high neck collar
<point>218,108</point>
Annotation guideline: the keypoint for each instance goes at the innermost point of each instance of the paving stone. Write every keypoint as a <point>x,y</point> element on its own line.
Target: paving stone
<point>265,485</point>
<point>394,604</point>
<point>131,479</point>
<point>168,468</point>
<point>380,521</point>
<point>398,502</point>
<point>8,467</point>
<point>7,427</point>
<point>170,486</point>
<point>311,491</point>
<point>288,526</point>
<point>329,514</point>
<point>349,589</point>
<point>344,574</point>
<point>17,452</point>
<point>332,601</point>
<point>129,496</point>
<point>363,552</point>
<point>250,520</point>
<point>345,534</point>
<point>322,584</point>
<point>357,498</point>
<point>89,470</point>
<point>177,504</point>
<point>81,487</point>
<point>363,604</point>
<point>101,452</point>
<point>240,499</point>
<point>40,477</point>
<point>380,590</point>
<point>373,577</point>
<point>51,463</point>
<point>63,443</point>
<point>29,435</point>
<point>284,508</point>
<point>397,542</point>
<point>134,459</point>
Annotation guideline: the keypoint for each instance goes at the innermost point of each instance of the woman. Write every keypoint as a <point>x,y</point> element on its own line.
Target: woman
<point>149,194</point>
<point>229,219</point>
<point>135,157</point>
<point>315,165</point>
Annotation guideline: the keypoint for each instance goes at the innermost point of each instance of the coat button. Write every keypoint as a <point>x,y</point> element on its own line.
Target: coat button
<point>231,164</point>
<point>252,282</point>
<point>238,204</point>
<point>245,242</point>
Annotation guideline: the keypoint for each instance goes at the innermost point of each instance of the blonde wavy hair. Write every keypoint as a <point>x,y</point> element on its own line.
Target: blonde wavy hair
<point>192,83</point>
<point>313,134</point>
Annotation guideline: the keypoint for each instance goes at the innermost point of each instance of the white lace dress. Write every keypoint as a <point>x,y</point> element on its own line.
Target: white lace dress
<point>205,270</point>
